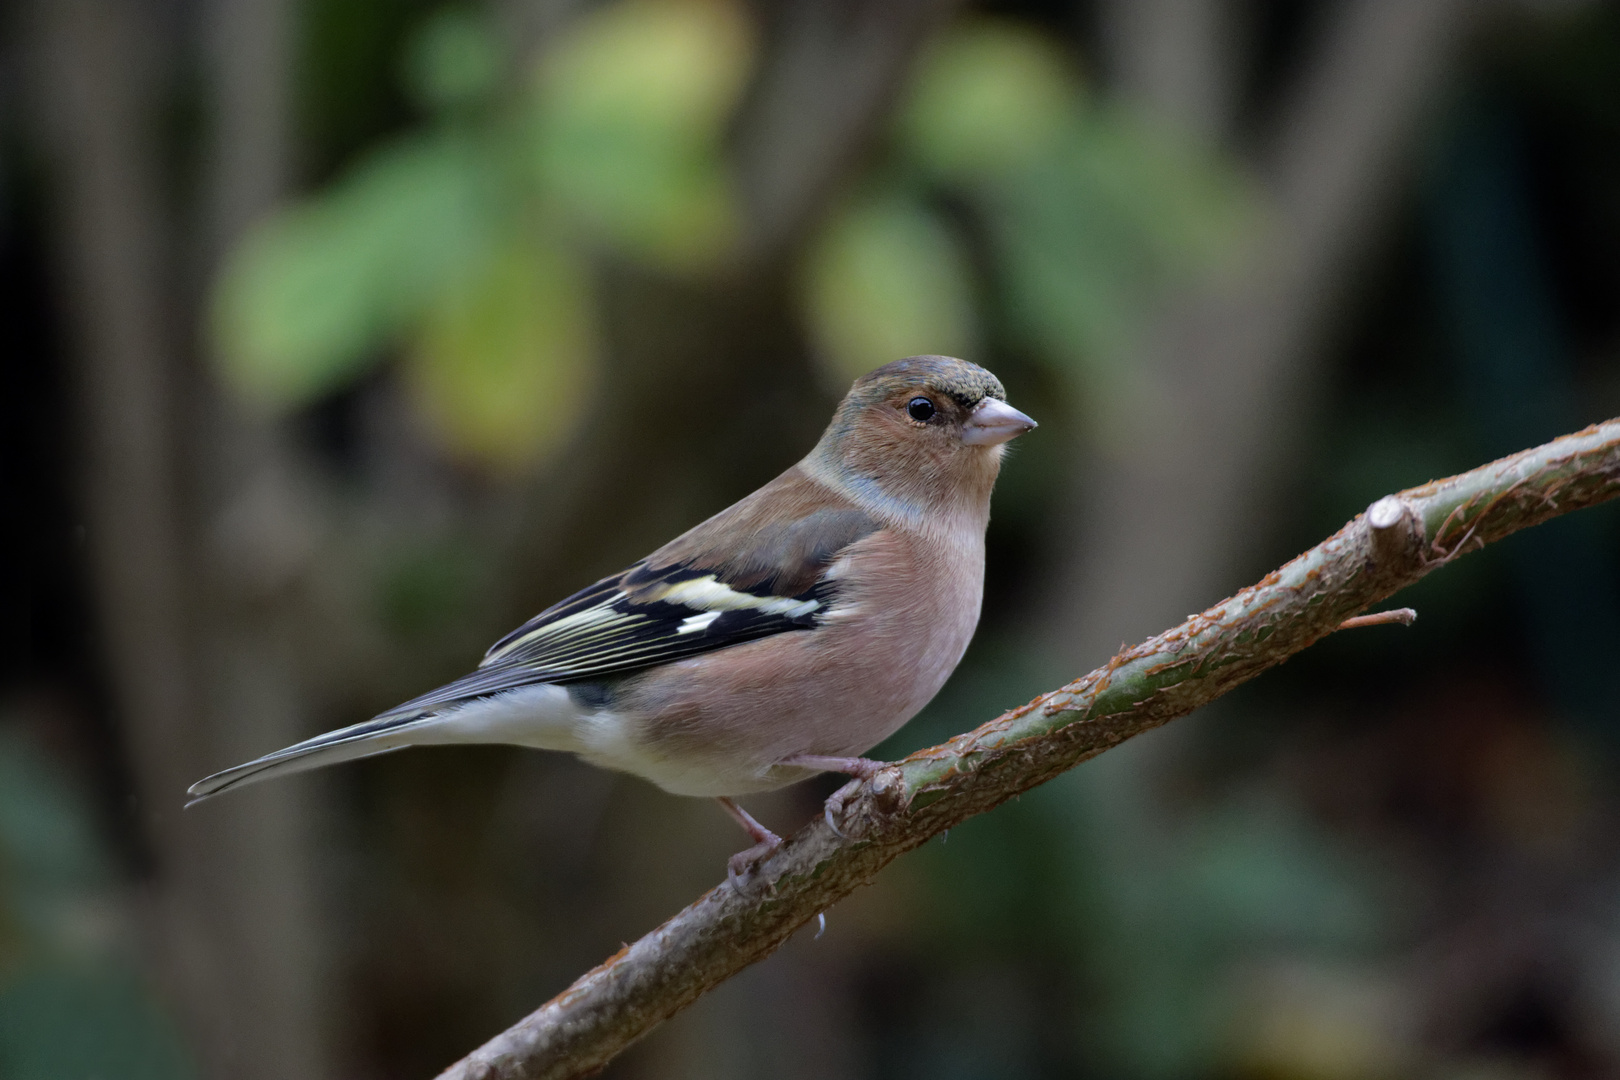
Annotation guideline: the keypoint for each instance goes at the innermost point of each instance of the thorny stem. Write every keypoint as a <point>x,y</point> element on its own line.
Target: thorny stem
<point>1397,541</point>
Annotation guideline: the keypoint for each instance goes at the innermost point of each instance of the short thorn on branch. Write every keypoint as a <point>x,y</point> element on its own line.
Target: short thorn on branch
<point>1404,615</point>
<point>1394,526</point>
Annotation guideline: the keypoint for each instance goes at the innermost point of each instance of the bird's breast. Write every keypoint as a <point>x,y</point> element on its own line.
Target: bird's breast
<point>902,615</point>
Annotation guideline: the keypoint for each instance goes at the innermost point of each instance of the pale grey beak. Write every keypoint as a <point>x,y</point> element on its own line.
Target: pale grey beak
<point>993,422</point>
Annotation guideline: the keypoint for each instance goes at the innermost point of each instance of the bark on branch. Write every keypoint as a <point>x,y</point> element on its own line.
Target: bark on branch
<point>1400,539</point>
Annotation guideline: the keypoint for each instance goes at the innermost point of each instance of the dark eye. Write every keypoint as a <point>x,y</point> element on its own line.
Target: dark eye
<point>920,409</point>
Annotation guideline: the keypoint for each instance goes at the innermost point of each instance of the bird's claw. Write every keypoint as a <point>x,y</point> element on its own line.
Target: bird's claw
<point>833,808</point>
<point>742,865</point>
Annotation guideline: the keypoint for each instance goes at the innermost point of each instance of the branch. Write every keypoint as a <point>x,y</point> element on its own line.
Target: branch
<point>830,71</point>
<point>1400,539</point>
<point>1222,378</point>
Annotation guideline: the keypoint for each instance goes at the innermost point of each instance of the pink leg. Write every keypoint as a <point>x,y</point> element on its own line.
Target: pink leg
<point>765,842</point>
<point>858,767</point>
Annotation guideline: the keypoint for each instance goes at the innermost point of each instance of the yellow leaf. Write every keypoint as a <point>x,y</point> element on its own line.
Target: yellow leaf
<point>887,280</point>
<point>631,109</point>
<point>502,367</point>
<point>987,98</point>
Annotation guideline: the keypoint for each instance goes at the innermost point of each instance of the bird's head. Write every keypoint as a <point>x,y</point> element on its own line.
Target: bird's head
<point>926,433</point>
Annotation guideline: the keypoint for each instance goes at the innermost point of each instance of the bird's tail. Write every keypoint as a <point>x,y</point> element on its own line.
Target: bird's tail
<point>376,736</point>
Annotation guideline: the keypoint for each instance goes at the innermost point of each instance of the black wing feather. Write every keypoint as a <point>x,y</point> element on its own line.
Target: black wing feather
<point>654,614</point>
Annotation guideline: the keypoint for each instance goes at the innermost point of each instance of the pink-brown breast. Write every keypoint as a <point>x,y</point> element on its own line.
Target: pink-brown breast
<point>904,612</point>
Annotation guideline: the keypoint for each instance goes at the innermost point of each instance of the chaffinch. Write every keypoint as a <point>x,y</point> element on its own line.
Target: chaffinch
<point>785,636</point>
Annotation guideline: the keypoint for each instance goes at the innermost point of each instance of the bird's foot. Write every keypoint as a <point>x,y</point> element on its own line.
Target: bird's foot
<point>741,865</point>
<point>832,811</point>
<point>858,767</point>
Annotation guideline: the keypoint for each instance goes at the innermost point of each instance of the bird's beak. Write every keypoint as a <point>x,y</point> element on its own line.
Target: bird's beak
<point>994,422</point>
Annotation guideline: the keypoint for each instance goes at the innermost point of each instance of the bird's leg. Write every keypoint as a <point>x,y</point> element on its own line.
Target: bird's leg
<point>858,767</point>
<point>765,842</point>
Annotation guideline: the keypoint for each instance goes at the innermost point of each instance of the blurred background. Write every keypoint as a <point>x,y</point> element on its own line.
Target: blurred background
<point>343,335</point>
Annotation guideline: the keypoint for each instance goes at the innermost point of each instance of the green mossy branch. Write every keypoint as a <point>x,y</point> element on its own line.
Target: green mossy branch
<point>1398,540</point>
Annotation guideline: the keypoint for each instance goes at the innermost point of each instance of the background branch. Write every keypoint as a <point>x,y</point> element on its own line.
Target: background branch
<point>1399,540</point>
<point>1224,376</point>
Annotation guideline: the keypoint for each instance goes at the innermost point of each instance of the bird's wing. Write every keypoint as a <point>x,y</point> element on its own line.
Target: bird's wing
<point>735,578</point>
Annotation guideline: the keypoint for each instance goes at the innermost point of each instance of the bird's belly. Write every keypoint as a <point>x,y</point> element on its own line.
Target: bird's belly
<point>777,702</point>
<point>617,741</point>
<point>686,771</point>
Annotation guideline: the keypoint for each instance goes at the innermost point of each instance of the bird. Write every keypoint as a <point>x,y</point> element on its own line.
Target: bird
<point>783,637</point>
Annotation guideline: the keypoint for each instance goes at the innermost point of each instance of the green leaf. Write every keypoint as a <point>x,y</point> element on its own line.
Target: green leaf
<point>987,99</point>
<point>502,365</point>
<point>885,280</point>
<point>630,113</point>
<point>1092,213</point>
<point>454,60</point>
<point>311,295</point>
<point>1093,231</point>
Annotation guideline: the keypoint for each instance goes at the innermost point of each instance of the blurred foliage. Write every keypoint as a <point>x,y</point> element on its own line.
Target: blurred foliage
<point>344,82</point>
<point>71,1001</point>
<point>1090,214</point>
<point>467,243</point>
<point>989,99</point>
<point>889,279</point>
<point>1175,905</point>
<point>502,364</point>
<point>317,289</point>
<point>1166,911</point>
<point>628,119</point>
<point>455,62</point>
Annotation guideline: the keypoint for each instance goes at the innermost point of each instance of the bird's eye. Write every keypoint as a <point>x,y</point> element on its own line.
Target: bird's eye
<point>920,409</point>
